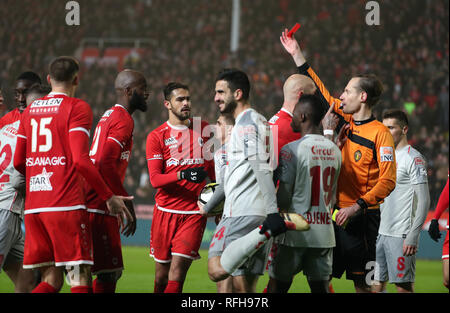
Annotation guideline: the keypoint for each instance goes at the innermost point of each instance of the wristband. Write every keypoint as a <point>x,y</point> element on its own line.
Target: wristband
<point>327,132</point>
<point>362,203</point>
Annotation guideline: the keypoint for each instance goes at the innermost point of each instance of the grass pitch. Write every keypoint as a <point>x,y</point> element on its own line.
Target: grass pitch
<point>138,277</point>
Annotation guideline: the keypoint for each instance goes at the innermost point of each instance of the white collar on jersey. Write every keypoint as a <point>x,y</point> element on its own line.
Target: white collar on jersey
<point>284,110</point>
<point>240,115</point>
<point>57,93</point>
<point>178,127</point>
<point>119,105</point>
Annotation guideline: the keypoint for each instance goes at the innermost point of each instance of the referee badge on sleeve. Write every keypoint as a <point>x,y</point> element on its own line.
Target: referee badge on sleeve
<point>386,154</point>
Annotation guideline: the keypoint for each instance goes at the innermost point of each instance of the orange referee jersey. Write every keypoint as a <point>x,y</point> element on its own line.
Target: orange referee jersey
<point>368,157</point>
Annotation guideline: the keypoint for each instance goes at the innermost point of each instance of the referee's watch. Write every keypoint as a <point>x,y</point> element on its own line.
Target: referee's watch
<point>362,203</point>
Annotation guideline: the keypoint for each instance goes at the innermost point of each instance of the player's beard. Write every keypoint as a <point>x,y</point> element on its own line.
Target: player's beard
<point>229,107</point>
<point>181,115</point>
<point>137,101</point>
<point>295,127</point>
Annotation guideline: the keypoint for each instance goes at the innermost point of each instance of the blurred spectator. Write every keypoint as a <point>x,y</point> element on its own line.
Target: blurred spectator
<point>409,51</point>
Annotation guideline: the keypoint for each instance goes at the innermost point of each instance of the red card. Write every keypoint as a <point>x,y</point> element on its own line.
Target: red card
<point>293,30</point>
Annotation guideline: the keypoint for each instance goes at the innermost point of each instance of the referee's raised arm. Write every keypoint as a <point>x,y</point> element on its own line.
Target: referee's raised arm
<point>291,45</point>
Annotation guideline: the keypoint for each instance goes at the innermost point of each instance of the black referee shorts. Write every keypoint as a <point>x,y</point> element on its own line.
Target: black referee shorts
<point>356,245</point>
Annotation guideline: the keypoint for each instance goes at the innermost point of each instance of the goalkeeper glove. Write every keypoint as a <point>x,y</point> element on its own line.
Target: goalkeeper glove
<point>275,224</point>
<point>433,230</point>
<point>194,175</point>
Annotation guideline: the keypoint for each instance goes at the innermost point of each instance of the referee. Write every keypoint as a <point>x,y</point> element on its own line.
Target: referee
<point>368,172</point>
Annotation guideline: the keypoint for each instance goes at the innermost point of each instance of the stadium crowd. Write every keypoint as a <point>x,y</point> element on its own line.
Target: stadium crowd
<point>409,51</point>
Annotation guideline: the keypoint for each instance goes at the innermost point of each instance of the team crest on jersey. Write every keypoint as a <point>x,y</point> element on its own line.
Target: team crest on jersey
<point>357,155</point>
<point>106,115</point>
<point>41,182</point>
<point>125,155</point>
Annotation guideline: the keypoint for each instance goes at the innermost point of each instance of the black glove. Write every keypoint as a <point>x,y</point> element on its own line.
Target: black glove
<point>194,175</point>
<point>275,224</point>
<point>433,230</point>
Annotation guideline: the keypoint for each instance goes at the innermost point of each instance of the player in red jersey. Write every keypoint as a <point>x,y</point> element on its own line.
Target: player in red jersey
<point>434,230</point>
<point>110,153</point>
<point>12,191</point>
<point>53,154</point>
<point>177,168</point>
<point>294,87</point>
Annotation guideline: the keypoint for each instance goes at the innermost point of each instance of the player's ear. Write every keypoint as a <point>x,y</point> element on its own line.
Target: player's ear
<point>300,94</point>
<point>238,94</point>
<point>128,91</point>
<point>167,104</point>
<point>405,130</point>
<point>75,80</point>
<point>49,80</point>
<point>363,96</point>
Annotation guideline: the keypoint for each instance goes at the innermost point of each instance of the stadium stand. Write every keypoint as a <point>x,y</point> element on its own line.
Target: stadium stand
<point>191,44</point>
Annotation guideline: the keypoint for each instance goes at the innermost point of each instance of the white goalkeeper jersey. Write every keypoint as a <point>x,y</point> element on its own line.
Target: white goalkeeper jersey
<point>399,208</point>
<point>11,199</point>
<point>251,139</point>
<point>308,172</point>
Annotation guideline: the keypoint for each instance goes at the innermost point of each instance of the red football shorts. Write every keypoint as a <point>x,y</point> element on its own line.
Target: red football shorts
<point>106,243</point>
<point>57,239</point>
<point>175,234</point>
<point>445,248</point>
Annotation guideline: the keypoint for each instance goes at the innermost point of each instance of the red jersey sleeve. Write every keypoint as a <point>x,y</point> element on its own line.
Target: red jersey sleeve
<point>80,117</point>
<point>21,150</point>
<point>121,131</point>
<point>442,204</point>
<point>108,166</point>
<point>155,163</point>
<point>80,123</point>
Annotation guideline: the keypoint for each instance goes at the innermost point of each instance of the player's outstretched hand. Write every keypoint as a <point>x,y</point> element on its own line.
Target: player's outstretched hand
<point>194,175</point>
<point>130,227</point>
<point>117,207</point>
<point>291,45</point>
<point>274,223</point>
<point>433,230</point>
<point>203,212</point>
<point>200,209</point>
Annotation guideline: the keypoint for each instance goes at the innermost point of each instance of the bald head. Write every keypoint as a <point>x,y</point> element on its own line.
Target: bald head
<point>131,90</point>
<point>128,79</point>
<point>296,84</point>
